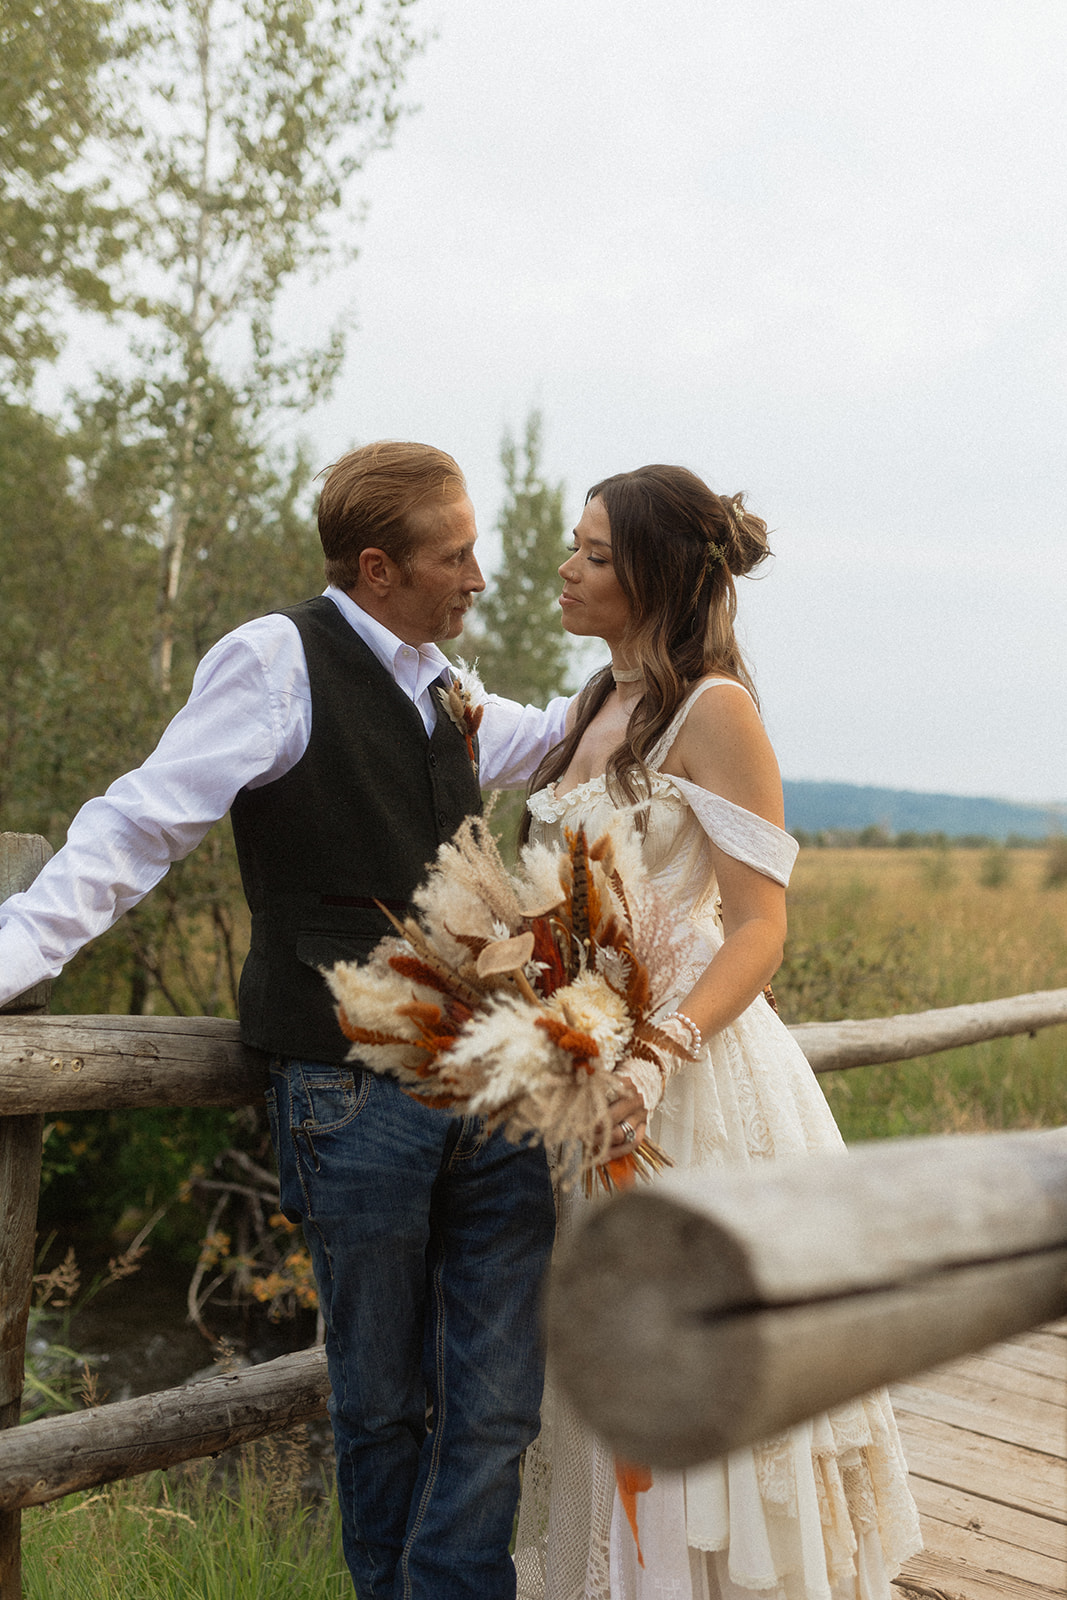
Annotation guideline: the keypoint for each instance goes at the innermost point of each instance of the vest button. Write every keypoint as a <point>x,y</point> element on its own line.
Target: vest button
<point>433,759</point>
<point>442,819</point>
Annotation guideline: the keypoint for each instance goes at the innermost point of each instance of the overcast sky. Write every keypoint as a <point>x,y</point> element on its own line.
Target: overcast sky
<point>813,249</point>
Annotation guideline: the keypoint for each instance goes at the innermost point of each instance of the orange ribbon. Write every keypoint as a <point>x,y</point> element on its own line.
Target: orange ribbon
<point>631,1480</point>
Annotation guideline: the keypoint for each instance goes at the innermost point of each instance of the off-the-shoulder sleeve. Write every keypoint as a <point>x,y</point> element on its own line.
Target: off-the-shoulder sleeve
<point>740,833</point>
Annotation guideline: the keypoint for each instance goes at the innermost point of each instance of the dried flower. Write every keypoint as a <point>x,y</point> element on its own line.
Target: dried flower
<point>464,703</point>
<point>515,996</point>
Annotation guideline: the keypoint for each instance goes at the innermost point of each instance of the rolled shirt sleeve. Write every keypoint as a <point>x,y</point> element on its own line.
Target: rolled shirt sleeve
<point>246,722</point>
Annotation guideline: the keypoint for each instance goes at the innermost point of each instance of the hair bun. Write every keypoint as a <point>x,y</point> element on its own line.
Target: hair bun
<point>745,536</point>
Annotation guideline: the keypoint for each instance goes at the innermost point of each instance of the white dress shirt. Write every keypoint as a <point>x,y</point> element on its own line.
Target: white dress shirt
<point>247,722</point>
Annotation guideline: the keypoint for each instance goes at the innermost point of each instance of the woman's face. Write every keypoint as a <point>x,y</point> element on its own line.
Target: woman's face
<point>592,602</point>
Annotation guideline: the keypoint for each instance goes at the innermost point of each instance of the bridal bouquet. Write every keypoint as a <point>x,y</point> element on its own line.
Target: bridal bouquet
<point>515,996</point>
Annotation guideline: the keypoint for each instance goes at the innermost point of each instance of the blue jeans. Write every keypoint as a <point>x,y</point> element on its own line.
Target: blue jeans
<point>429,1241</point>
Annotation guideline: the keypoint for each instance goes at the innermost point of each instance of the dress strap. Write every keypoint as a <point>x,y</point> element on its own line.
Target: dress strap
<point>739,833</point>
<point>742,834</point>
<point>661,750</point>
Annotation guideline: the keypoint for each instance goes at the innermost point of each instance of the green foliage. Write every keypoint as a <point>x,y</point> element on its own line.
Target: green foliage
<point>193,1534</point>
<point>104,1173</point>
<point>61,231</point>
<point>246,120</point>
<point>74,593</point>
<point>520,646</point>
<point>844,973</point>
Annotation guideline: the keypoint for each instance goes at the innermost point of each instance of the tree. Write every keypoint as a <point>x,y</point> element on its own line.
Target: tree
<point>61,233</point>
<point>175,493</point>
<point>252,117</point>
<point>522,651</point>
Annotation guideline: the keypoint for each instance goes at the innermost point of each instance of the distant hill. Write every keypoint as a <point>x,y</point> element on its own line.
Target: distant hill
<point>825,807</point>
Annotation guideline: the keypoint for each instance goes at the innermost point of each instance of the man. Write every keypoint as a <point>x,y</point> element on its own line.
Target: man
<point>319,729</point>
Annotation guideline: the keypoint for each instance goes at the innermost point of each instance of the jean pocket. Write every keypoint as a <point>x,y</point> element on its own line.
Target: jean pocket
<point>328,1097</point>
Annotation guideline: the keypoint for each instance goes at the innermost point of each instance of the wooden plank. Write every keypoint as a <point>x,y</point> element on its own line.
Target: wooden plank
<point>944,1577</point>
<point>1005,1377</point>
<point>994,1558</point>
<point>1039,1352</point>
<point>941,1503</point>
<point>985,1439</point>
<point>1007,1473</point>
<point>987,1412</point>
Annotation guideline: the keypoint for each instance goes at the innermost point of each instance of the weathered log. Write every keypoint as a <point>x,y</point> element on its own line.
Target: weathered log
<point>88,1063</point>
<point>44,1460</point>
<point>22,855</point>
<point>830,1046</point>
<point>736,1304</point>
<point>94,1063</point>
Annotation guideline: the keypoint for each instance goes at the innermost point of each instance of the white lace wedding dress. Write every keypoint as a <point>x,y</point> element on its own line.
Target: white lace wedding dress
<point>822,1512</point>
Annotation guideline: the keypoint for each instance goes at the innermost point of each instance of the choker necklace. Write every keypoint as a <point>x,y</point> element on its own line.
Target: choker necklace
<point>627,675</point>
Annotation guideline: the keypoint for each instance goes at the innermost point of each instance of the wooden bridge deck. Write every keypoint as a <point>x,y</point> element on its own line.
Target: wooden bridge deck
<point>986,1442</point>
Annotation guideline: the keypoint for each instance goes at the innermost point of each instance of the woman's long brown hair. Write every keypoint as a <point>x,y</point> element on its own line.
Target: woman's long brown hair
<point>676,547</point>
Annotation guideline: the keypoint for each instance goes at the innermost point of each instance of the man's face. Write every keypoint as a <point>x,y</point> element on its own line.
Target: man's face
<point>430,603</point>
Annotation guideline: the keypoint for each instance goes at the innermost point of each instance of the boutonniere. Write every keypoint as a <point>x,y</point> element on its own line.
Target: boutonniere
<point>464,703</point>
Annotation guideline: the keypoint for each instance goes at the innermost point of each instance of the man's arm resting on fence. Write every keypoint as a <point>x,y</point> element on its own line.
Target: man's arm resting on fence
<point>244,723</point>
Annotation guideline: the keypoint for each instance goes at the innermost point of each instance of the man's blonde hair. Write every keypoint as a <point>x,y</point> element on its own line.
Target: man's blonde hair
<point>382,496</point>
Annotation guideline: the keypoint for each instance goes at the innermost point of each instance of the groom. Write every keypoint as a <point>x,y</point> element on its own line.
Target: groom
<point>319,728</point>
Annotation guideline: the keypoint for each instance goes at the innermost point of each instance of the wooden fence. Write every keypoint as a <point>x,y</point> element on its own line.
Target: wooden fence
<point>738,1303</point>
<point>65,1064</point>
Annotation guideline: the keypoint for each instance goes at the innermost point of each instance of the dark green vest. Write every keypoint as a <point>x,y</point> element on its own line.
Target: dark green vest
<point>356,820</point>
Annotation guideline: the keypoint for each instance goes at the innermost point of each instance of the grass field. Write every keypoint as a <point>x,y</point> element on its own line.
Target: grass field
<point>872,932</point>
<point>193,1533</point>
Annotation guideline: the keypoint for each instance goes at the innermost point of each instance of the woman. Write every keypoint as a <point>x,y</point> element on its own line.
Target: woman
<point>673,727</point>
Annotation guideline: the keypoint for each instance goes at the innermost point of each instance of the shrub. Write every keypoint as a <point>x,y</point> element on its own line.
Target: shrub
<point>1056,863</point>
<point>995,869</point>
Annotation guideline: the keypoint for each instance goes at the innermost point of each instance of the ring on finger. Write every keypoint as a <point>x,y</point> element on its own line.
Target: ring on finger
<point>629,1133</point>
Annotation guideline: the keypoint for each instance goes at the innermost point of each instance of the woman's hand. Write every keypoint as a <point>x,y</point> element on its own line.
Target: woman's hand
<point>629,1120</point>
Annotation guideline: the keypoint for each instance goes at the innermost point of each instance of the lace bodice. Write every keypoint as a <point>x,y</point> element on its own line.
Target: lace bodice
<point>680,819</point>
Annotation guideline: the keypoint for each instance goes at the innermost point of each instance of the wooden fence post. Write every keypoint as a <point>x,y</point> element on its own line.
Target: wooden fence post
<point>22,855</point>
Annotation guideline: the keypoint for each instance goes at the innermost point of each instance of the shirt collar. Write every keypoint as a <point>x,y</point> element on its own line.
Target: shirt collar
<point>412,667</point>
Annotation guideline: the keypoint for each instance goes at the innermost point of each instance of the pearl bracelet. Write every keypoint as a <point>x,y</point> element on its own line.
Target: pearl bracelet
<point>696,1038</point>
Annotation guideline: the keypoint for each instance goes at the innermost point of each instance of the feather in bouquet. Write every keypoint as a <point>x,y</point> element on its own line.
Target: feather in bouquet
<point>514,996</point>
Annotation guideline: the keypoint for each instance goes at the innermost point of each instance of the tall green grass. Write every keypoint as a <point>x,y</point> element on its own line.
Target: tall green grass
<point>192,1534</point>
<point>874,932</point>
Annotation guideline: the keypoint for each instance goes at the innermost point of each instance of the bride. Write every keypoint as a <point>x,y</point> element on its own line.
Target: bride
<point>672,727</point>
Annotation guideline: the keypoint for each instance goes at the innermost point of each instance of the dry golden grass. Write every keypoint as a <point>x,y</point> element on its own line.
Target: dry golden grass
<point>873,932</point>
